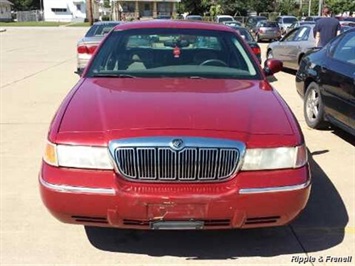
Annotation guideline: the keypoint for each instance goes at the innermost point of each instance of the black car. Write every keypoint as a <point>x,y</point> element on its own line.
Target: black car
<point>249,39</point>
<point>326,80</point>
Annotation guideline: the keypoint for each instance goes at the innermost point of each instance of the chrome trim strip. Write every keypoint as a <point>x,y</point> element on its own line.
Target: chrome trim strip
<point>78,190</point>
<point>274,189</point>
<point>164,142</point>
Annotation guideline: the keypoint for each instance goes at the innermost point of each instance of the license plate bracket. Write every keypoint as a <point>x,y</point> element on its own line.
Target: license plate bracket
<point>177,225</point>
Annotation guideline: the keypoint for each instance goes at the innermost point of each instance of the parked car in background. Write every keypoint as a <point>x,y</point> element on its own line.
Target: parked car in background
<point>267,30</point>
<point>88,44</point>
<point>251,21</point>
<point>293,46</point>
<point>297,24</point>
<point>346,28</point>
<point>285,21</point>
<point>179,135</point>
<point>163,17</point>
<point>233,23</point>
<point>312,18</point>
<point>224,18</point>
<point>193,17</point>
<point>325,80</point>
<point>341,18</point>
<point>347,23</point>
<point>242,31</point>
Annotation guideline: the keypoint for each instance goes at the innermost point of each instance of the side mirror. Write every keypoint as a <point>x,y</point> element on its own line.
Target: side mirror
<point>272,66</point>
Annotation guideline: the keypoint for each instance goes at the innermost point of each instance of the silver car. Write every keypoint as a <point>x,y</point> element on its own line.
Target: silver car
<point>285,21</point>
<point>88,44</point>
<point>267,30</point>
<point>299,24</point>
<point>293,46</point>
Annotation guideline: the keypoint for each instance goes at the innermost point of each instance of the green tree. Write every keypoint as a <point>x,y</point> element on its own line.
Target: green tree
<point>288,7</point>
<point>341,6</point>
<point>23,5</point>
<point>260,5</point>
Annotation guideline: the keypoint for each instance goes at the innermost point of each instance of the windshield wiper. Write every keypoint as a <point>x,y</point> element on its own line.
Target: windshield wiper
<point>110,75</point>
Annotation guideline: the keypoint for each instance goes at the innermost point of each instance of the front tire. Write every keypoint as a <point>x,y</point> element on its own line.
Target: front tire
<point>313,108</point>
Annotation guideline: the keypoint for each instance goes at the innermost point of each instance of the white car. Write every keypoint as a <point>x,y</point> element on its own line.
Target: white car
<point>285,22</point>
<point>224,18</point>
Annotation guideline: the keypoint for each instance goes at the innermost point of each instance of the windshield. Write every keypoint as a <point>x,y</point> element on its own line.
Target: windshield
<point>194,17</point>
<point>173,53</point>
<point>223,19</point>
<point>100,29</point>
<point>245,34</point>
<point>289,20</point>
<point>269,24</point>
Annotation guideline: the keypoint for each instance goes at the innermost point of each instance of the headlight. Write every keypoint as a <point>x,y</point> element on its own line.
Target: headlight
<point>275,158</point>
<point>77,156</point>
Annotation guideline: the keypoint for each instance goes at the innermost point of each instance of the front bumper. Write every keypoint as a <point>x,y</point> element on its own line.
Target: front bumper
<point>101,198</point>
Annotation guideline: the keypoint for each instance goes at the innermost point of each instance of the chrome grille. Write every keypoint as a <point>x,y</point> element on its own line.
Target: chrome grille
<point>164,163</point>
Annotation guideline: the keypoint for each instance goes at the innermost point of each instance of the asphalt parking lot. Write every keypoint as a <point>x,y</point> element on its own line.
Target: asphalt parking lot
<point>36,72</point>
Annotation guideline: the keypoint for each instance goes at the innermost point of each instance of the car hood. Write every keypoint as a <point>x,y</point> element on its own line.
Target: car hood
<point>126,104</point>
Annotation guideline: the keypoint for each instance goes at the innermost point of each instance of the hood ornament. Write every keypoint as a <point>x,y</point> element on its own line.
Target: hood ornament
<point>177,144</point>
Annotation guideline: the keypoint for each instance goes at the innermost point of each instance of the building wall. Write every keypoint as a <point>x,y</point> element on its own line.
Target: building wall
<point>64,10</point>
<point>5,12</point>
<point>132,9</point>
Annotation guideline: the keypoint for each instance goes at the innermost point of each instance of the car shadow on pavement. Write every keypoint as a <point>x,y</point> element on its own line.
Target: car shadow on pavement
<point>344,135</point>
<point>322,223</point>
<point>289,71</point>
<point>319,227</point>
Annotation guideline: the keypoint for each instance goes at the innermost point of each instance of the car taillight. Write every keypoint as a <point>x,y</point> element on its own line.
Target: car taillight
<point>92,49</point>
<point>261,31</point>
<point>82,49</point>
<point>256,50</point>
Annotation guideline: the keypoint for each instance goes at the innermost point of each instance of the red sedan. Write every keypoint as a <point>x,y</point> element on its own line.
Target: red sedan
<point>173,125</point>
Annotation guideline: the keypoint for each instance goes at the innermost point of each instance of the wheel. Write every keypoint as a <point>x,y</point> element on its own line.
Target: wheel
<point>313,107</point>
<point>213,62</point>
<point>269,54</point>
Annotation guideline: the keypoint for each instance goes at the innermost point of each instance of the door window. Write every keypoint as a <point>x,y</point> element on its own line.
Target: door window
<point>345,49</point>
<point>291,36</point>
<point>302,34</point>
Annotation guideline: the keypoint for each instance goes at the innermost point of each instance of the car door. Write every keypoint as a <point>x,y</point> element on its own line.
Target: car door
<point>280,50</point>
<point>337,75</point>
<point>301,43</point>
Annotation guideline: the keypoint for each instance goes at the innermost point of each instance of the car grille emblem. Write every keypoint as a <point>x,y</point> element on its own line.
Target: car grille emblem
<point>177,144</point>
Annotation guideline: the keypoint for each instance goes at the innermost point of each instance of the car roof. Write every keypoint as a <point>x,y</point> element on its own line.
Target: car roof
<point>224,16</point>
<point>267,21</point>
<point>168,24</point>
<point>107,22</point>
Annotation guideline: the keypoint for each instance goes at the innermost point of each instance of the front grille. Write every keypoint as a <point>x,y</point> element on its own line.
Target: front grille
<point>159,163</point>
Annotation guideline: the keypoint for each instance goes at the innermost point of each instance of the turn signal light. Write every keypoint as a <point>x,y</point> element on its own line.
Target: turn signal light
<point>50,154</point>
